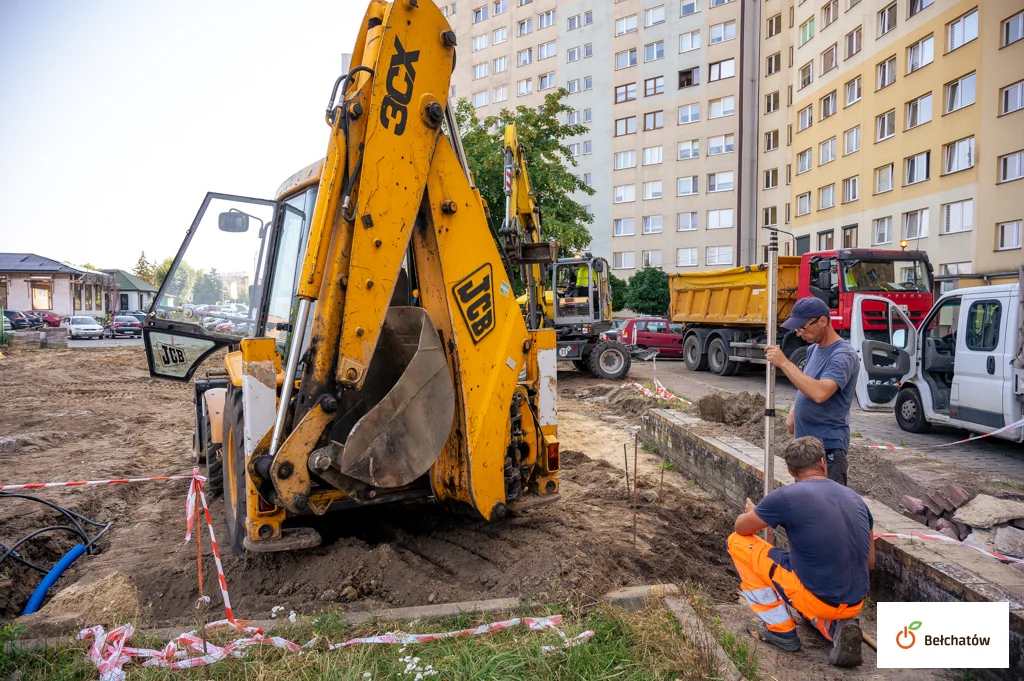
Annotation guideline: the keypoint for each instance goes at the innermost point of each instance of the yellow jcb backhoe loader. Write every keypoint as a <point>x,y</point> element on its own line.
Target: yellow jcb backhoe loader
<point>376,350</point>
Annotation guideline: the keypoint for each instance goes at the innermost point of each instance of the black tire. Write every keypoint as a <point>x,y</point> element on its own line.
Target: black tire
<point>799,357</point>
<point>910,412</point>
<point>609,360</point>
<point>718,358</point>
<point>693,356</point>
<point>581,365</point>
<point>214,461</point>
<point>233,469</point>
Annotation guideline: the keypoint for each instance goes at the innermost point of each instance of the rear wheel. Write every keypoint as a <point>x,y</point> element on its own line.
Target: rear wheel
<point>799,357</point>
<point>718,359</point>
<point>609,360</point>
<point>693,355</point>
<point>910,412</point>
<point>233,469</point>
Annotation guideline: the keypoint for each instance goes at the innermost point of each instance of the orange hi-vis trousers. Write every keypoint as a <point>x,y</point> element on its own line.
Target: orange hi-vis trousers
<point>769,587</point>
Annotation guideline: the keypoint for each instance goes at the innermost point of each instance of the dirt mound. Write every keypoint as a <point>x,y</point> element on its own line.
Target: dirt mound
<point>627,401</point>
<point>743,413</point>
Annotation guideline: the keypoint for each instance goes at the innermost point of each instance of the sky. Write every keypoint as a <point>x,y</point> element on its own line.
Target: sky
<point>117,117</point>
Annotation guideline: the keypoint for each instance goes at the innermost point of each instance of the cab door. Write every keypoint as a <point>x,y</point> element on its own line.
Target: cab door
<point>982,362</point>
<point>884,363</point>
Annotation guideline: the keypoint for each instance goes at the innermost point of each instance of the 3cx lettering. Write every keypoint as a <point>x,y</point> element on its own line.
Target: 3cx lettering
<point>956,640</point>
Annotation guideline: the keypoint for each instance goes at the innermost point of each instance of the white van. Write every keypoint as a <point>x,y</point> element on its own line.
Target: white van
<point>962,367</point>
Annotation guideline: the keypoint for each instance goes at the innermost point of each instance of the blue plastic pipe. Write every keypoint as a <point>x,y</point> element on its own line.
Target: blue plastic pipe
<point>55,572</point>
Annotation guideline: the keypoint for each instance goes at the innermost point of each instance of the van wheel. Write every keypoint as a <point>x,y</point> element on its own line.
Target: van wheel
<point>910,412</point>
<point>693,357</point>
<point>718,359</point>
<point>799,357</point>
<point>609,360</point>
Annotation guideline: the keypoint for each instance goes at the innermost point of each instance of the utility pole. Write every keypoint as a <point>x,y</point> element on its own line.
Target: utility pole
<point>769,393</point>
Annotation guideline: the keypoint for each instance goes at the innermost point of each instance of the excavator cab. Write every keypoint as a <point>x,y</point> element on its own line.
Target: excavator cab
<point>582,293</point>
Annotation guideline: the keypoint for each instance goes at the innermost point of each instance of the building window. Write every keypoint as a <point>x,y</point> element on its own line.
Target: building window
<point>960,93</point>
<point>883,179</point>
<point>918,5</point>
<point>588,147</point>
<point>588,51</point>
<point>588,18</point>
<point>546,81</point>
<point>1011,98</point>
<point>719,3</point>
<point>653,155</point>
<point>722,69</point>
<point>654,51</point>
<point>829,13</point>
<point>479,42</point>
<point>718,255</point>
<point>1013,29</point>
<point>500,36</point>
<point>850,236</point>
<point>689,41</point>
<point>625,193</point>
<point>828,104</point>
<point>958,155</point>
<point>962,30</point>
<point>573,54</point>
<point>887,73</point>
<point>771,140</point>
<point>624,260</point>
<point>652,224</point>
<point>689,77</point>
<point>958,217</point>
<point>689,113</point>
<point>806,31</point>
<point>688,149</point>
<point>920,54</point>
<point>829,59</point>
<point>919,111</point>
<point>720,182</point>
<point>853,42</point>
<point>882,231</point>
<point>500,7</point>
<point>525,87</point>
<point>826,240</point>
<point>720,33</point>
<point>573,23</point>
<point>546,50</point>
<point>686,222</point>
<point>654,86</point>
<point>1008,235</point>
<point>955,269</point>
<point>625,25</point>
<point>625,159</point>
<point>851,189</point>
<point>726,106</point>
<point>546,19</point>
<point>771,102</point>
<point>587,115</point>
<point>771,178</point>
<point>918,168</point>
<point>479,71</point>
<point>915,224</point>
<point>1011,166</point>
<point>826,197</point>
<point>803,204</point>
<point>654,120</point>
<point>651,258</point>
<point>721,144</point>
<point>479,99</point>
<point>853,91</point>
<point>625,59</point>
<point>774,25</point>
<point>803,161</point>
<point>851,140</point>
<point>774,63</point>
<point>501,64</point>
<point>572,118</point>
<point>885,125</point>
<point>625,93</point>
<point>806,74</point>
<point>479,14</point>
<point>686,257</point>
<point>720,219</point>
<point>588,82</point>
<point>500,93</point>
<point>575,149</point>
<point>525,27</point>
<point>655,15</point>
<point>827,151</point>
<point>573,86</point>
<point>525,56</point>
<point>686,186</point>
<point>770,216</point>
<point>886,19</point>
<point>624,227</point>
<point>805,118</point>
<point>688,7</point>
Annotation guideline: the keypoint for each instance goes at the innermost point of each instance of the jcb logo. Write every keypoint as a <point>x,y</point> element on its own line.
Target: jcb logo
<point>476,300</point>
<point>396,103</point>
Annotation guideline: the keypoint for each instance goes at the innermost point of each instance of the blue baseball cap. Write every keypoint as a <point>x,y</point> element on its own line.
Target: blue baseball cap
<point>804,310</point>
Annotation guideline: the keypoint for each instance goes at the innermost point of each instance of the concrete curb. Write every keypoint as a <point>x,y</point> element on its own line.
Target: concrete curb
<point>689,620</point>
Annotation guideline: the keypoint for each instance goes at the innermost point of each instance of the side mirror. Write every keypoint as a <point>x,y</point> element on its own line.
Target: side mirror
<point>899,338</point>
<point>233,221</point>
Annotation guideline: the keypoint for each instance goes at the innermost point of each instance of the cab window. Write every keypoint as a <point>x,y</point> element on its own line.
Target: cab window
<point>983,325</point>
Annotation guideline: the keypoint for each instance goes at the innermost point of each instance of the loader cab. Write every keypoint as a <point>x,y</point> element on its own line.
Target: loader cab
<point>582,292</point>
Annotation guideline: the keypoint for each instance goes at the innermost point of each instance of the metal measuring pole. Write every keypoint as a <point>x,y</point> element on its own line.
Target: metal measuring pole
<point>769,393</point>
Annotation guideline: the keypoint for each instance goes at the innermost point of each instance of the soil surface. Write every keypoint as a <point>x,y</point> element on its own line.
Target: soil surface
<point>96,414</point>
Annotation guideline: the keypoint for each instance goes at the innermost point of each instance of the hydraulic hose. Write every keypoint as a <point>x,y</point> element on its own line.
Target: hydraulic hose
<point>55,572</point>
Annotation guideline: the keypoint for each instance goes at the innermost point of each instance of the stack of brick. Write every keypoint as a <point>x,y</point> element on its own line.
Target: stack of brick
<point>936,509</point>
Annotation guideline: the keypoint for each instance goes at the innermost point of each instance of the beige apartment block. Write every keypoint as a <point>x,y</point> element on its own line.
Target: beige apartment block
<point>907,128</point>
<point>668,90</point>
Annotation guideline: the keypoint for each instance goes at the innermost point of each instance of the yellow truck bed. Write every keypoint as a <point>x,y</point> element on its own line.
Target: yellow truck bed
<point>732,296</point>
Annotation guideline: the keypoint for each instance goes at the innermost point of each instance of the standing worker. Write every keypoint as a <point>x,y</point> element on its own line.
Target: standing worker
<point>824,575</point>
<point>825,387</point>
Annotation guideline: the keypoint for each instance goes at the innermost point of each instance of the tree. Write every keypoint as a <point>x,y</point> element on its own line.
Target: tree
<point>181,288</point>
<point>543,135</point>
<point>209,288</point>
<point>648,292</point>
<point>90,266</point>
<point>144,270</point>
<point>620,292</point>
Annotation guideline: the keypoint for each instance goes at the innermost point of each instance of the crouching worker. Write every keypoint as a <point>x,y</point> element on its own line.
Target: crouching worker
<point>824,575</point>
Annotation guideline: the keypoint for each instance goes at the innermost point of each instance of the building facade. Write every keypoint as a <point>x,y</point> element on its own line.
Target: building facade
<point>36,283</point>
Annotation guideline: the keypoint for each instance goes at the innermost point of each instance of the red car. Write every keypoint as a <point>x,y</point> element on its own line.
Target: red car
<point>48,317</point>
<point>122,325</point>
<point>655,333</point>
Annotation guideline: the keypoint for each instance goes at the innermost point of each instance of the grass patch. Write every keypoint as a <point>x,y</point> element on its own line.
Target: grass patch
<point>626,646</point>
<point>742,651</point>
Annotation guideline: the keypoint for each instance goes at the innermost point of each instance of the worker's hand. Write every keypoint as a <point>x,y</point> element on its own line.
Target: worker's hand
<point>750,506</point>
<point>775,355</point>
<point>790,420</point>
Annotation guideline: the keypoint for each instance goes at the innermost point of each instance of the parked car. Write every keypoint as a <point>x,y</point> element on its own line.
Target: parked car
<point>18,319</point>
<point>123,325</point>
<point>613,333</point>
<point>82,327</point>
<point>48,318</point>
<point>655,333</point>
<point>138,314</point>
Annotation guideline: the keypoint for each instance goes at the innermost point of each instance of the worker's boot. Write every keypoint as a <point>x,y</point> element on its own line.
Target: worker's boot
<point>757,628</point>
<point>846,644</point>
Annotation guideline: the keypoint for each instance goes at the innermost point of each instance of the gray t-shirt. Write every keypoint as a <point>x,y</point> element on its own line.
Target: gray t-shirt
<point>829,421</point>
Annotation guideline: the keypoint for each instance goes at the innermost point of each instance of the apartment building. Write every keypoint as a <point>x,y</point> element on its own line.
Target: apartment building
<point>668,90</point>
<point>907,129</point>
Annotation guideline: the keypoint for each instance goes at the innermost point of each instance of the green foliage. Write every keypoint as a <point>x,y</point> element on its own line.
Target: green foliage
<point>543,135</point>
<point>620,291</point>
<point>648,292</point>
<point>145,270</point>
<point>209,288</point>
<point>182,287</point>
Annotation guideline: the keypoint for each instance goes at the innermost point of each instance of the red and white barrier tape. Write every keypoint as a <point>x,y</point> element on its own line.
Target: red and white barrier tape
<point>93,483</point>
<point>972,438</point>
<point>660,392</point>
<point>942,537</point>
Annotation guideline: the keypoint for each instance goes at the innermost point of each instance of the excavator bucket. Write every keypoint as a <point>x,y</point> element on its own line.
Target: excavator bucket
<point>402,417</point>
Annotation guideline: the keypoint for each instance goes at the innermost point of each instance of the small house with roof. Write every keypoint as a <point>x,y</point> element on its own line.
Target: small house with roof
<point>134,294</point>
<point>33,282</point>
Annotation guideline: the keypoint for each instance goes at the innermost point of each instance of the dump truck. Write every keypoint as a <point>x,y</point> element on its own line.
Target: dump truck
<point>724,312</point>
<point>372,350</point>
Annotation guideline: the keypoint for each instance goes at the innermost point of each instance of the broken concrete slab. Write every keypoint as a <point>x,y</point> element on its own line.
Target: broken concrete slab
<point>701,634</point>
<point>1010,541</point>
<point>986,511</point>
<point>634,598</point>
<point>982,538</point>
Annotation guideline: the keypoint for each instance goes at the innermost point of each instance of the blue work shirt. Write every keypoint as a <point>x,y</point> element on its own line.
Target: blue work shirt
<point>829,531</point>
<point>829,421</point>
